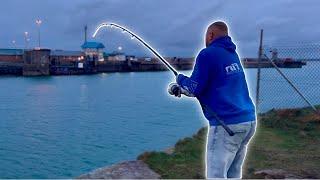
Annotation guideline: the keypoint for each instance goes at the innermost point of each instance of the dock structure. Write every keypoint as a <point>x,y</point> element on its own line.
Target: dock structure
<point>265,63</point>
<point>36,62</point>
<point>93,59</point>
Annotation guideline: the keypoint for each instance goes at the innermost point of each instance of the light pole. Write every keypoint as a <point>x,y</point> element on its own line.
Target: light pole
<point>15,47</point>
<point>38,22</point>
<point>26,39</point>
<point>14,44</point>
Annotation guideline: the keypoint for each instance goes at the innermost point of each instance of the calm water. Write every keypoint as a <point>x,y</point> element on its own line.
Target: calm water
<point>275,92</point>
<point>61,127</point>
<point>65,126</point>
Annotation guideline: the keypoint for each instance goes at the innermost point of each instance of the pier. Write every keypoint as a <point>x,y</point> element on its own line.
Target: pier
<point>42,62</point>
<point>93,59</point>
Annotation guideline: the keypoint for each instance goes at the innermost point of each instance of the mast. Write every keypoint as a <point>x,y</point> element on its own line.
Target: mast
<point>85,33</point>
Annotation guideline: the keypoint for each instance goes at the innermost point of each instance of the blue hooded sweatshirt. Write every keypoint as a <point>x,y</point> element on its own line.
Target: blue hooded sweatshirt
<point>219,83</point>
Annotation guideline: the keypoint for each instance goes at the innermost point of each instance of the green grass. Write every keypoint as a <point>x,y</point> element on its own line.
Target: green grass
<point>185,161</point>
<point>287,139</point>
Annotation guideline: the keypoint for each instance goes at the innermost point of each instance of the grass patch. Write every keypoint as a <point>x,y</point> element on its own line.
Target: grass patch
<point>184,162</point>
<point>286,139</point>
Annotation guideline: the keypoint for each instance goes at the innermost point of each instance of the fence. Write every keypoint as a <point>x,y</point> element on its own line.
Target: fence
<point>292,79</point>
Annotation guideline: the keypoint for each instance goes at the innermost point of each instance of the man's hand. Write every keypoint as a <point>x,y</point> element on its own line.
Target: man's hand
<point>174,89</point>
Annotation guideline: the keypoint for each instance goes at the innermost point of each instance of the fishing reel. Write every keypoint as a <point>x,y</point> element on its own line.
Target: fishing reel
<point>176,90</point>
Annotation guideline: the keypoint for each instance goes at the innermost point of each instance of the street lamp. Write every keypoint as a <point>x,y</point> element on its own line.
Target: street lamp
<point>26,39</point>
<point>38,22</point>
<point>15,47</point>
<point>119,48</point>
<point>14,44</point>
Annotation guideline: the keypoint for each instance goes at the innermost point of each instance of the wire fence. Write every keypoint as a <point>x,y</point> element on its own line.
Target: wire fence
<point>289,77</point>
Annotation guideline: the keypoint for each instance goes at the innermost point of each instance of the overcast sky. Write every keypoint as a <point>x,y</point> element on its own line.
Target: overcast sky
<point>174,28</point>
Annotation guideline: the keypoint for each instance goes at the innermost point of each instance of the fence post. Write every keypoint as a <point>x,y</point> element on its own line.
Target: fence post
<point>258,71</point>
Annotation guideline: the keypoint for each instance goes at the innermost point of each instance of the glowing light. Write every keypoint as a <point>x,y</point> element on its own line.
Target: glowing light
<point>38,21</point>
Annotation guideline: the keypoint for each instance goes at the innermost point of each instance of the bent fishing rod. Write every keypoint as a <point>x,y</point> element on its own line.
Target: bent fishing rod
<point>172,69</point>
<point>133,35</point>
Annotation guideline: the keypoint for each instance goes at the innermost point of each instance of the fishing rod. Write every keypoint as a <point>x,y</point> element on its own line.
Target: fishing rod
<point>172,69</point>
<point>133,35</point>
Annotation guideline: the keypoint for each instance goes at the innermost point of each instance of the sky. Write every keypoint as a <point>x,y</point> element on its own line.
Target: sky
<point>174,28</point>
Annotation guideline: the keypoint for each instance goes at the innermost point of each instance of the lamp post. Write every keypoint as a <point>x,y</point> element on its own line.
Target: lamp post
<point>26,39</point>
<point>14,44</point>
<point>38,22</point>
<point>15,47</point>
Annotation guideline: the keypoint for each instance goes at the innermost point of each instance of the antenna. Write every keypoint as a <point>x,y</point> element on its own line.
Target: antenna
<point>85,33</point>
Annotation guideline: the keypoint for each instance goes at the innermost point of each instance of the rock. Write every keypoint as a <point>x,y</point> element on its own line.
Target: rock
<point>275,174</point>
<point>125,170</point>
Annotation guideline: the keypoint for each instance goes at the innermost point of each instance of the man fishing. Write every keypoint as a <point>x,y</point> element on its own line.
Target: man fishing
<point>218,82</point>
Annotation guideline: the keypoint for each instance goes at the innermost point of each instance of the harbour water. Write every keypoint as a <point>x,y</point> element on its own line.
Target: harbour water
<point>64,126</point>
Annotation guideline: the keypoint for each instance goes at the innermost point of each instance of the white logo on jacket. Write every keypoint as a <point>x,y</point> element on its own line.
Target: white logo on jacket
<point>233,68</point>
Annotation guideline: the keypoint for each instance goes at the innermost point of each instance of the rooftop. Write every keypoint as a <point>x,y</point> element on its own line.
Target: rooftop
<point>66,53</point>
<point>114,53</point>
<point>11,51</point>
<point>92,45</point>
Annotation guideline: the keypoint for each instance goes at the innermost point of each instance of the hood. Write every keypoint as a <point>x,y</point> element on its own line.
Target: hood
<point>224,42</point>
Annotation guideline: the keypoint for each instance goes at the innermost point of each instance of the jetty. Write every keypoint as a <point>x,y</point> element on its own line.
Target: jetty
<point>93,59</point>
